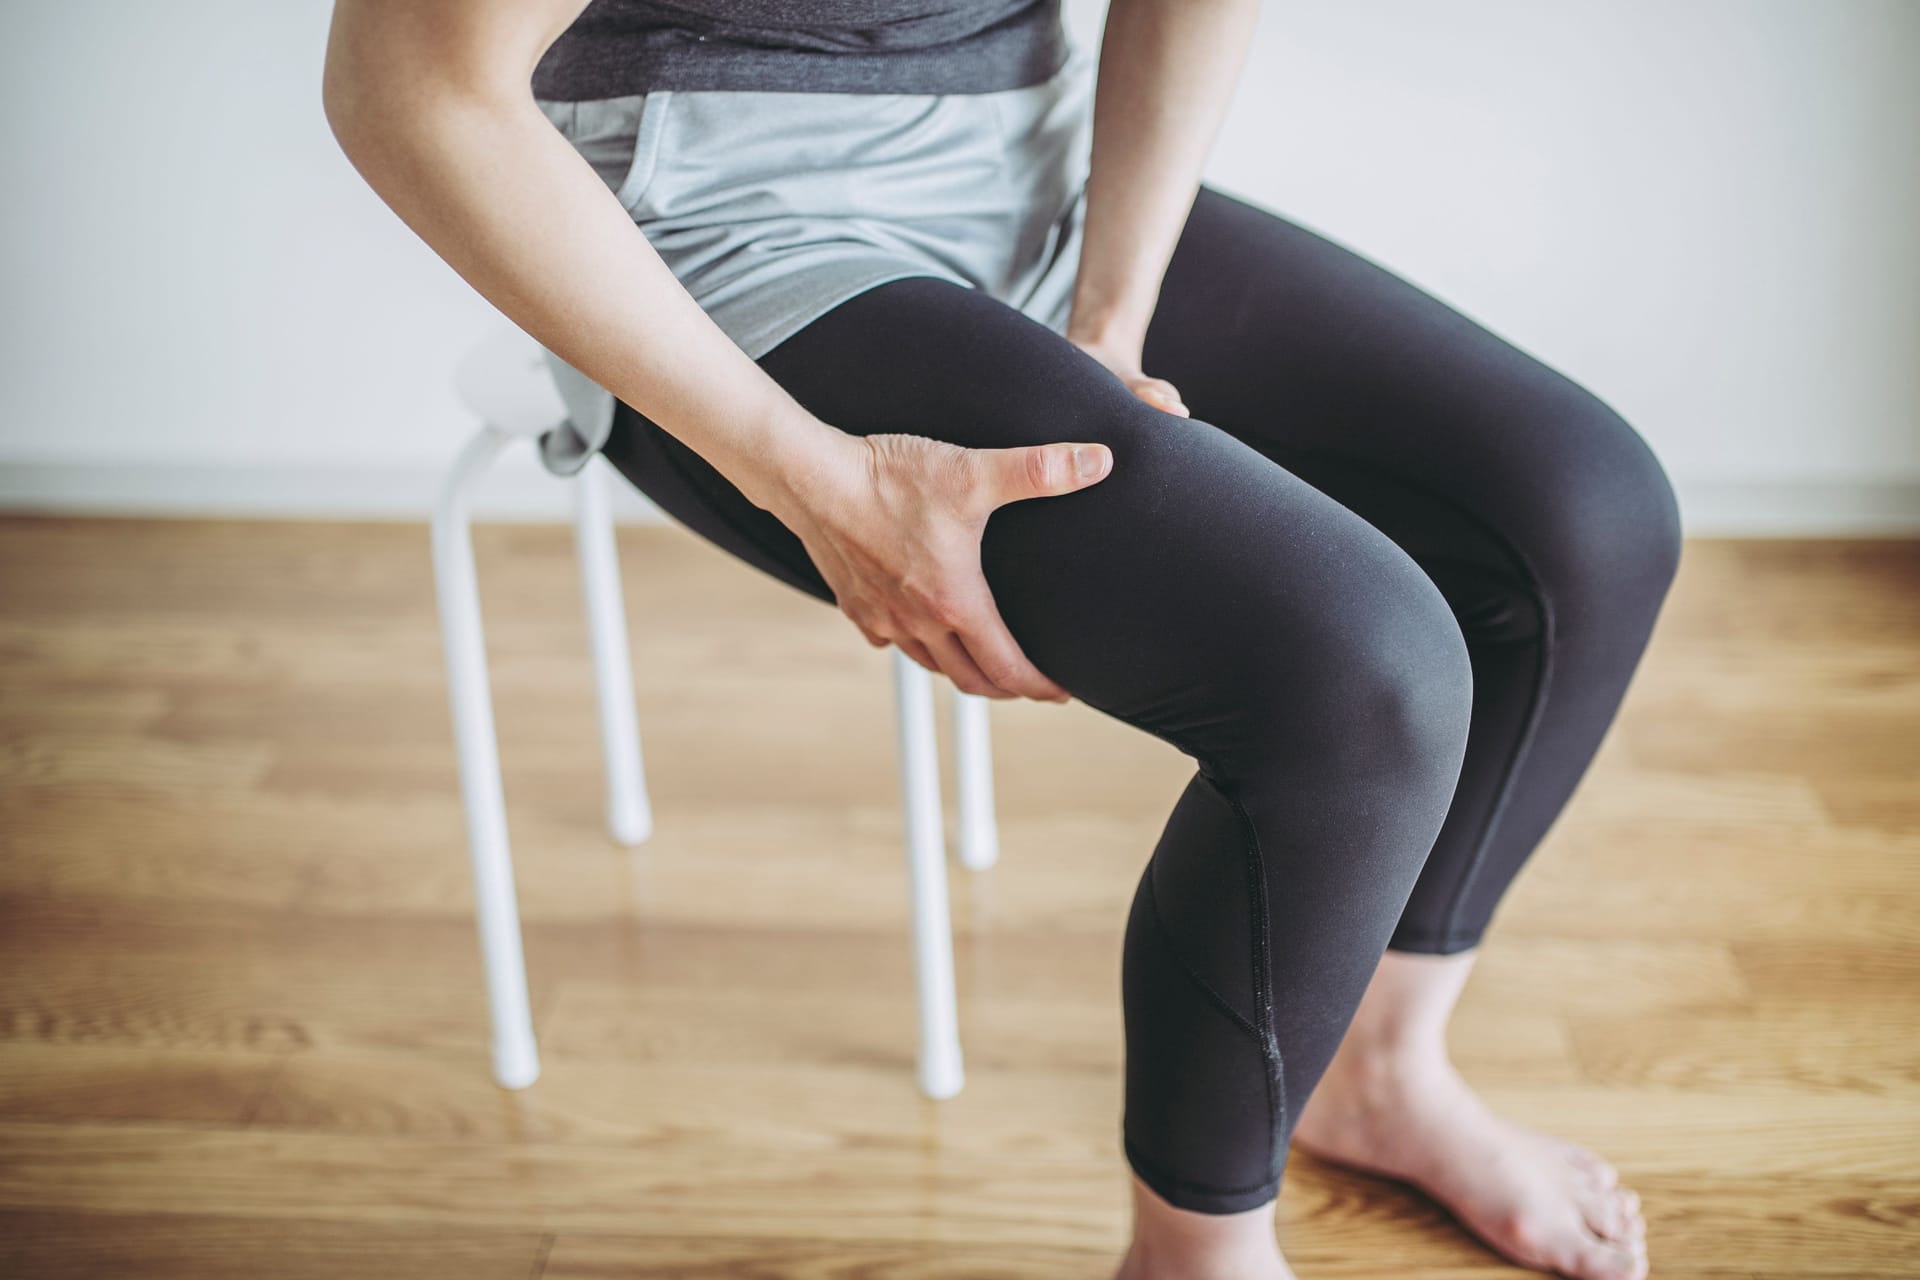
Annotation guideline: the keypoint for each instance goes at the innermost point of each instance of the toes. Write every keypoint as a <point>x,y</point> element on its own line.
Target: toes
<point>1603,1260</point>
<point>1559,1242</point>
<point>1604,1214</point>
<point>1613,1214</point>
<point>1629,1201</point>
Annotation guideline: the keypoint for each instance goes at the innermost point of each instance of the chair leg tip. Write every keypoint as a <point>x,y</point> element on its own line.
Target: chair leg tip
<point>630,826</point>
<point>979,853</point>
<point>516,1066</point>
<point>940,1081</point>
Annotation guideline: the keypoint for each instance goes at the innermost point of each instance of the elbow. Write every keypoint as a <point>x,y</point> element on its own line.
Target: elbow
<point>344,101</point>
<point>387,82</point>
<point>364,79</point>
<point>353,101</point>
<point>372,104</point>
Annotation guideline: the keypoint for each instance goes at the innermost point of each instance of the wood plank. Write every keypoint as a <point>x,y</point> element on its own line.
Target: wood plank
<point>242,1030</point>
<point>916,1191</point>
<point>52,1246</point>
<point>666,1106</point>
<point>1762,1048</point>
<point>595,1257</point>
<point>50,1082</point>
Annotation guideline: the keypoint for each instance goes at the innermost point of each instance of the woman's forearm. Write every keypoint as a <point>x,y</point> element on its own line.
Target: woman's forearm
<point>466,158</point>
<point>1167,70</point>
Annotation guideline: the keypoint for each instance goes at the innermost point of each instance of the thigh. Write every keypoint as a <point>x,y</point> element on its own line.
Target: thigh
<point>1198,579</point>
<point>1540,514</point>
<point>1476,456</point>
<point>694,493</point>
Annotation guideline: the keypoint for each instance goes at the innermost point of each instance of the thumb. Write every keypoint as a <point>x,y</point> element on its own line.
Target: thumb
<point>1046,470</point>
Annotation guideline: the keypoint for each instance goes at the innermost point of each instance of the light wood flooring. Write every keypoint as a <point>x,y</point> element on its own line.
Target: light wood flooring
<point>241,1024</point>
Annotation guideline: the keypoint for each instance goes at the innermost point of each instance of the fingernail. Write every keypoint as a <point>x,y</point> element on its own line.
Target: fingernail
<point>1086,461</point>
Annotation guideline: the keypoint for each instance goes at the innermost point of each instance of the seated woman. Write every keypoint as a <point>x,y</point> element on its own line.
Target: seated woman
<point>885,299</point>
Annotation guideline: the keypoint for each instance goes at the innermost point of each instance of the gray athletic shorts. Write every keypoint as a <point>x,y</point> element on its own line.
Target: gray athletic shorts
<point>774,207</point>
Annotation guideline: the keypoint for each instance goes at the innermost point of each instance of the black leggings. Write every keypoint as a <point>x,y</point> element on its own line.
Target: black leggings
<point>1386,587</point>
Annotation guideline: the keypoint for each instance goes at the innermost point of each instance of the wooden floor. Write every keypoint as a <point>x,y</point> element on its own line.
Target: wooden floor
<point>241,1024</point>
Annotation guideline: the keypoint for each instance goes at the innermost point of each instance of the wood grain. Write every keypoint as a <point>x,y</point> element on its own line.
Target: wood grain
<point>242,1030</point>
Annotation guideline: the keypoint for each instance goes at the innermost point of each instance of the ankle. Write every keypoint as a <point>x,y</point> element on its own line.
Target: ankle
<point>1387,1070</point>
<point>1170,1243</point>
<point>1243,1260</point>
<point>1400,1028</point>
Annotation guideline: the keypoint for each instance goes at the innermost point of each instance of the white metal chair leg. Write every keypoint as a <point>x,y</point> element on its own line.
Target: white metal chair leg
<point>629,813</point>
<point>941,1074</point>
<point>973,774</point>
<point>516,1060</point>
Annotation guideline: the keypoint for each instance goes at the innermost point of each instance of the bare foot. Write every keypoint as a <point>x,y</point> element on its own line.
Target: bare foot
<point>1539,1200</point>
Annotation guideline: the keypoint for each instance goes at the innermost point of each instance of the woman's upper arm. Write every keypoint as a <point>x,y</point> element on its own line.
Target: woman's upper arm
<point>382,53</point>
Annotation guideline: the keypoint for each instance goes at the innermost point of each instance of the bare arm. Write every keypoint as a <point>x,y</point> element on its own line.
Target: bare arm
<point>431,101</point>
<point>1167,71</point>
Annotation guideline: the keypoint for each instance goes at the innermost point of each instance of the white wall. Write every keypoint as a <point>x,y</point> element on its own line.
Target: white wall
<point>1705,211</point>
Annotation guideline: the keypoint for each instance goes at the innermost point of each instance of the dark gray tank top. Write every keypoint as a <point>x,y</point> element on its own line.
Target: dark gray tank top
<point>620,47</point>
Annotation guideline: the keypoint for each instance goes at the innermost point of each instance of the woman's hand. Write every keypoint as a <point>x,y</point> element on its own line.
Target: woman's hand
<point>1123,359</point>
<point>894,522</point>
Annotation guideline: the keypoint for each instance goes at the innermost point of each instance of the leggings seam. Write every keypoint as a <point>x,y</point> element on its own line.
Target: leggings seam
<point>1535,696</point>
<point>1262,982</point>
<point>1225,1006</point>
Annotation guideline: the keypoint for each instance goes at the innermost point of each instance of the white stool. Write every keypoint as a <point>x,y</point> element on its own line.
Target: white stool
<point>505,381</point>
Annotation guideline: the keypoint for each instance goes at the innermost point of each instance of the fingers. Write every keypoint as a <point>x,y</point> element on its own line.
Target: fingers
<point>947,656</point>
<point>1161,394</point>
<point>983,659</point>
<point>919,653</point>
<point>945,651</point>
<point>906,568</point>
<point>958,666</point>
<point>1123,361</point>
<point>1041,470</point>
<point>1001,661</point>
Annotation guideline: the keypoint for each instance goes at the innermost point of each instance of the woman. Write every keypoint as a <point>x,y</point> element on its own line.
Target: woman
<point>887,334</point>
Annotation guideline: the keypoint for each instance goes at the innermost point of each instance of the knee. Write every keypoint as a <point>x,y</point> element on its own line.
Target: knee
<point>1385,698</point>
<point>1407,682</point>
<point>1609,520</point>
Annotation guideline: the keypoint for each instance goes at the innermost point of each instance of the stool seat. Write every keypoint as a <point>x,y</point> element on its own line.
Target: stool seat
<point>504,381</point>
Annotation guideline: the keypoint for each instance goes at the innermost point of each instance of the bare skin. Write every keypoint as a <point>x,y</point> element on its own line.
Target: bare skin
<point>1178,1244</point>
<point>430,100</point>
<point>1392,1104</point>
